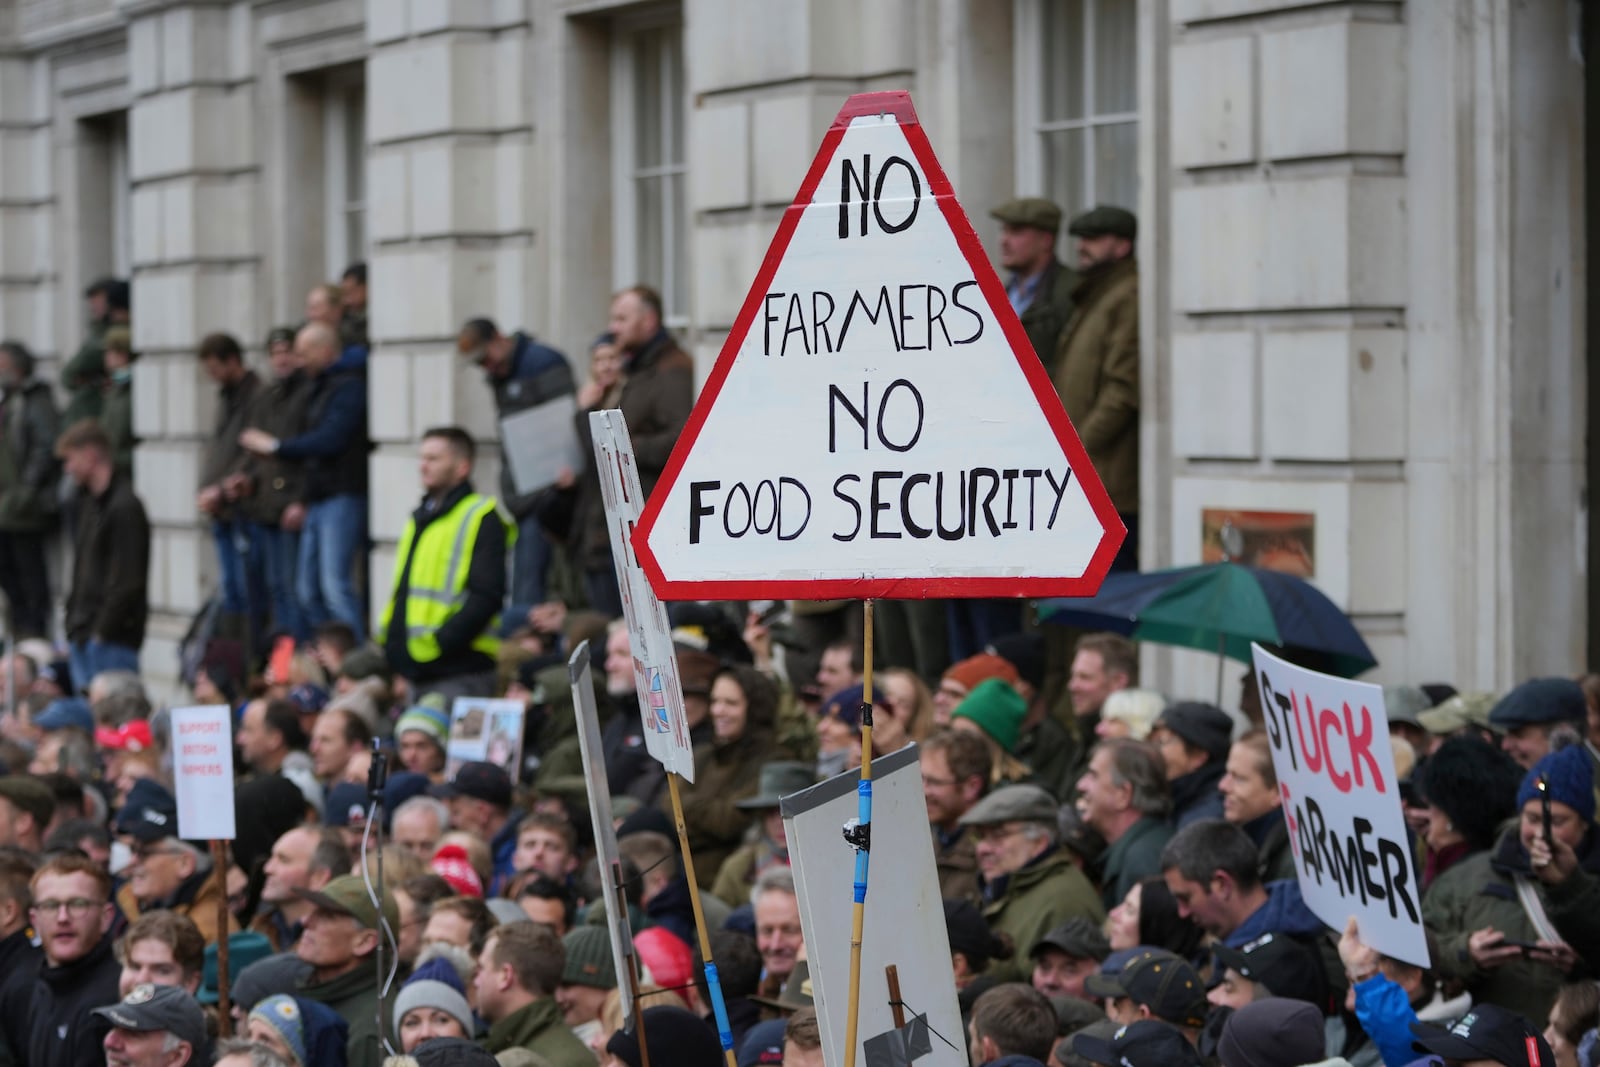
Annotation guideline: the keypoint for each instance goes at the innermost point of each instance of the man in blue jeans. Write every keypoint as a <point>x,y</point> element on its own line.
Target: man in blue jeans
<point>109,602</point>
<point>522,374</point>
<point>332,452</point>
<point>243,595</point>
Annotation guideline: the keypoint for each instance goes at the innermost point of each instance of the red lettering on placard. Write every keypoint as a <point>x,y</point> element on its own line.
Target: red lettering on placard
<point>1326,719</point>
<point>1361,747</point>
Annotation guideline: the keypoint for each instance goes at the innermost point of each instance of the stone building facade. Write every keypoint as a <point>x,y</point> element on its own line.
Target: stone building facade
<point>1362,233</point>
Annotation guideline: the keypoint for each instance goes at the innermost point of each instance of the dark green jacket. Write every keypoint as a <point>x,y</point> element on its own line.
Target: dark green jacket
<point>1097,376</point>
<point>1480,891</point>
<point>1574,906</point>
<point>1033,901</point>
<point>539,1027</point>
<point>116,419</point>
<point>28,468</point>
<point>84,375</point>
<point>1134,856</point>
<point>1050,752</point>
<point>1044,319</point>
<point>355,997</point>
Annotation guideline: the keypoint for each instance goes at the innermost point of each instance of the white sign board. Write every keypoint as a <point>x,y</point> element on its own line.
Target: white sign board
<point>1352,852</point>
<point>655,667</point>
<point>904,920</point>
<point>541,442</point>
<point>484,729</point>
<point>202,772</point>
<point>877,424</point>
<point>605,832</point>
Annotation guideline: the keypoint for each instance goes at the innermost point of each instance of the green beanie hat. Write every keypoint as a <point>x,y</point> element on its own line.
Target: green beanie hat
<point>997,708</point>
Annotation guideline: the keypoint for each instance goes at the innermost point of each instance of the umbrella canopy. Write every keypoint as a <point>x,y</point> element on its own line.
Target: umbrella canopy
<point>1222,607</point>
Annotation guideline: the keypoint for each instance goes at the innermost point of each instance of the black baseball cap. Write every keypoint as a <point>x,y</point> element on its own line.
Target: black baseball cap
<point>149,1008</point>
<point>1146,1043</point>
<point>479,780</point>
<point>1487,1032</point>
<point>1287,967</point>
<point>1160,980</point>
<point>149,814</point>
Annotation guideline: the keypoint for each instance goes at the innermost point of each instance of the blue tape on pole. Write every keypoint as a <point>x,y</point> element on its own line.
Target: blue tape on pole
<point>718,1008</point>
<point>861,877</point>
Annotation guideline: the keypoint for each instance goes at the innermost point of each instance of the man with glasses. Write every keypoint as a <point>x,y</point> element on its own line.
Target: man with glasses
<point>72,915</point>
<point>166,872</point>
<point>1030,883</point>
<point>955,774</point>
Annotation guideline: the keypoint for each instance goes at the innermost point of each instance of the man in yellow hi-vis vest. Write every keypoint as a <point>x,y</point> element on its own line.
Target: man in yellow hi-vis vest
<point>440,626</point>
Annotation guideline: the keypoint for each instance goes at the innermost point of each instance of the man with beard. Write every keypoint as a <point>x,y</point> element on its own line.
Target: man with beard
<point>1097,361</point>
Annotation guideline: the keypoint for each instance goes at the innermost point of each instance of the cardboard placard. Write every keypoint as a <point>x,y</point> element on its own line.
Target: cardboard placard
<point>202,772</point>
<point>1352,852</point>
<point>483,729</point>
<point>877,423</point>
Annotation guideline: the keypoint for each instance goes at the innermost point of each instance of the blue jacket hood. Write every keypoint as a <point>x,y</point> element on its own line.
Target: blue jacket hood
<point>1285,912</point>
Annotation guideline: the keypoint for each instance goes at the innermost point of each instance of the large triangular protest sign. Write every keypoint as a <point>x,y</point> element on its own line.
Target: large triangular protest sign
<point>877,424</point>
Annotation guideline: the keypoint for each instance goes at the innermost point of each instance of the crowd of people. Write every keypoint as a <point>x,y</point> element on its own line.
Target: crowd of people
<point>1118,874</point>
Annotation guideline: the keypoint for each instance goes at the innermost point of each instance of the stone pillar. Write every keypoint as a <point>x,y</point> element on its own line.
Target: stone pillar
<point>194,169</point>
<point>28,261</point>
<point>1345,260</point>
<point>764,83</point>
<point>451,224</point>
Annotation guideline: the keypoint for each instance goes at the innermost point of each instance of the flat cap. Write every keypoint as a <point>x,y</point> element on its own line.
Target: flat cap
<point>1033,211</point>
<point>1012,803</point>
<point>1538,701</point>
<point>1105,221</point>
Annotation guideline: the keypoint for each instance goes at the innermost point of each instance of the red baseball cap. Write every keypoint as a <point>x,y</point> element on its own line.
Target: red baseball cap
<point>129,737</point>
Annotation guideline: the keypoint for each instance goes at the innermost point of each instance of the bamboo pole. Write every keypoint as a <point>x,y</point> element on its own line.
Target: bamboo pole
<point>713,983</point>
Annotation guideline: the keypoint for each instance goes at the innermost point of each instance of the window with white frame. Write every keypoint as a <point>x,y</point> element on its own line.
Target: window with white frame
<point>344,158</point>
<point>650,212</point>
<point>1077,101</point>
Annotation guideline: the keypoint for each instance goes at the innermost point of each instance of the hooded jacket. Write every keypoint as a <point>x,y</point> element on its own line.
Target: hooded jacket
<point>61,1030</point>
<point>535,374</point>
<point>1481,891</point>
<point>1285,912</point>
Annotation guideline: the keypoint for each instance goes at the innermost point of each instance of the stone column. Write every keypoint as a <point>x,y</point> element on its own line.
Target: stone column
<point>450,211</point>
<point>1346,260</point>
<point>195,174</point>
<point>764,83</point>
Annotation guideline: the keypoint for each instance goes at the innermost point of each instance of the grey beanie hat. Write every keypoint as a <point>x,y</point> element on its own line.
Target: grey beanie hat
<point>425,991</point>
